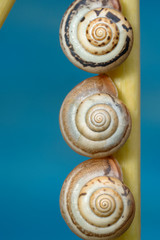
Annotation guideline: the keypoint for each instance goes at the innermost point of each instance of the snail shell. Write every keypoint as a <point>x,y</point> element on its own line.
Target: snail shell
<point>94,36</point>
<point>93,121</point>
<point>94,202</point>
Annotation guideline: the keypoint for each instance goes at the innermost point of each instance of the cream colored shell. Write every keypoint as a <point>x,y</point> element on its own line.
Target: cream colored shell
<point>94,203</point>
<point>95,37</point>
<point>93,121</point>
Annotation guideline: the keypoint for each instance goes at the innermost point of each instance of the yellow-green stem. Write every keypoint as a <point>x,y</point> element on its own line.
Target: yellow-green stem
<point>5,7</point>
<point>127,80</point>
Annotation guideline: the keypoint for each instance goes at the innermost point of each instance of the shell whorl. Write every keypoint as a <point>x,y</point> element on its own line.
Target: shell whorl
<point>94,203</point>
<point>95,37</point>
<point>93,121</point>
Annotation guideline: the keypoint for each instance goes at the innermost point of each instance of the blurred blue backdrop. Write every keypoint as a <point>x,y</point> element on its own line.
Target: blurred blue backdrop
<point>35,76</point>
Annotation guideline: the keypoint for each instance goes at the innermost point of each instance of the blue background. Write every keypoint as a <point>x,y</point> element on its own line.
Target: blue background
<point>35,76</point>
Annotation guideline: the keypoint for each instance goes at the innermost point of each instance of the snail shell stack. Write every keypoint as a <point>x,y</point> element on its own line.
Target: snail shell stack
<point>93,121</point>
<point>94,201</point>
<point>94,36</point>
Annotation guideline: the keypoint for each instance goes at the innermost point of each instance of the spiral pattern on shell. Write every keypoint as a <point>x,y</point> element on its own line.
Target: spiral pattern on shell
<point>94,204</point>
<point>93,122</point>
<point>95,38</point>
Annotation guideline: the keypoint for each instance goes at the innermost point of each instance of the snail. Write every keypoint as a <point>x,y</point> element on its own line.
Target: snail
<point>95,36</point>
<point>93,121</point>
<point>94,202</point>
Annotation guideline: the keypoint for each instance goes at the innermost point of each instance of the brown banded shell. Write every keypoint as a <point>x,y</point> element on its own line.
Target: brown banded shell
<point>94,36</point>
<point>94,202</point>
<point>93,121</point>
